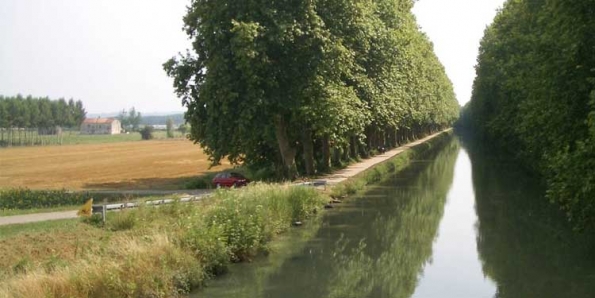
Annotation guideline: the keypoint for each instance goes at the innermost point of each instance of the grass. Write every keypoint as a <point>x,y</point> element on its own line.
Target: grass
<point>25,201</point>
<point>12,212</point>
<point>74,138</point>
<point>150,252</point>
<point>8,231</point>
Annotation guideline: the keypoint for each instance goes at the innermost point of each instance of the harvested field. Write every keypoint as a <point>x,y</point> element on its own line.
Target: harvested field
<point>131,165</point>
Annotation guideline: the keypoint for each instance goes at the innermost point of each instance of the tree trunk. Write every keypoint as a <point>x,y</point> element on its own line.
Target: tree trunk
<point>354,151</point>
<point>326,154</point>
<point>287,151</point>
<point>308,151</point>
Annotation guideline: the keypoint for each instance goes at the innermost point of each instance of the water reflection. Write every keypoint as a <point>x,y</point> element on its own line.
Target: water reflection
<point>374,246</point>
<point>524,243</point>
<point>456,270</point>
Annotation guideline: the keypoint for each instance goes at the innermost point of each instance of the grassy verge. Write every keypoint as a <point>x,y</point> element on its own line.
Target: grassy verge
<point>150,252</point>
<point>395,164</point>
<point>8,231</point>
<point>75,138</point>
<point>19,201</point>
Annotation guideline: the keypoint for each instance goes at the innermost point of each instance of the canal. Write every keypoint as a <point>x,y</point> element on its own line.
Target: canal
<point>458,223</point>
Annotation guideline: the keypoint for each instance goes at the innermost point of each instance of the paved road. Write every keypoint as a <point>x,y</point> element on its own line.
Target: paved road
<point>334,178</point>
<point>27,218</point>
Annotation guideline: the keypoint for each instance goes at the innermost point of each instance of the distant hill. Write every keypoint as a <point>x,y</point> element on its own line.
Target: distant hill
<point>146,119</point>
<point>161,120</point>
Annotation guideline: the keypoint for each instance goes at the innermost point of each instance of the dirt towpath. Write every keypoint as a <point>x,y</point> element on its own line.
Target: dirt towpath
<point>354,169</point>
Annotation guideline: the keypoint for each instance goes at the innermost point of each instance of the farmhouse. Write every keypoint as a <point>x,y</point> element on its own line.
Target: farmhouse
<point>101,126</point>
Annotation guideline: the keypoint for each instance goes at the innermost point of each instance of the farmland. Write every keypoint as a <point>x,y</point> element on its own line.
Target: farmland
<point>161,164</point>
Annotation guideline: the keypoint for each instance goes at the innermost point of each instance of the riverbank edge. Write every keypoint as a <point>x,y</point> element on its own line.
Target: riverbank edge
<point>354,184</point>
<point>394,164</point>
<point>159,252</point>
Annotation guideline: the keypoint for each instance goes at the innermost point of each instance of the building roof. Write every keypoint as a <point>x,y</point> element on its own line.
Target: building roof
<point>99,120</point>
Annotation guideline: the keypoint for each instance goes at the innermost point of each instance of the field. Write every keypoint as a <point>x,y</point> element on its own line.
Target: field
<point>68,137</point>
<point>160,164</point>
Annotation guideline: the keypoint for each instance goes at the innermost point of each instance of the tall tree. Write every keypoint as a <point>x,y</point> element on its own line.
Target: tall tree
<point>284,83</point>
<point>534,95</point>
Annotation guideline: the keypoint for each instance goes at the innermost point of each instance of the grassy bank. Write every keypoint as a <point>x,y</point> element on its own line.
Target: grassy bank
<point>18,201</point>
<point>393,165</point>
<point>152,252</point>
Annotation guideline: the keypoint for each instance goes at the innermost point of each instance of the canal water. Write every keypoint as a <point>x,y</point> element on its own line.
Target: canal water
<point>458,223</point>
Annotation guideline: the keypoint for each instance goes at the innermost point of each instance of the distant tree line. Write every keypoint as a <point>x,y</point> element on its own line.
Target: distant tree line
<point>300,86</point>
<point>37,112</point>
<point>178,119</point>
<point>130,119</point>
<point>534,95</point>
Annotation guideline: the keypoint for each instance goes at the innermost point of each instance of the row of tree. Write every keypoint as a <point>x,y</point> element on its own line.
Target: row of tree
<point>535,95</point>
<point>36,112</point>
<point>130,119</point>
<point>299,85</point>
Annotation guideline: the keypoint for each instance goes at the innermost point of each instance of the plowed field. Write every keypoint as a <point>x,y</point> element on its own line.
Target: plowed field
<point>131,165</point>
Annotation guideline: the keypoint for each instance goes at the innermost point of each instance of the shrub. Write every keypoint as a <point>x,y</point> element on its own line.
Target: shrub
<point>147,132</point>
<point>121,221</point>
<point>23,198</point>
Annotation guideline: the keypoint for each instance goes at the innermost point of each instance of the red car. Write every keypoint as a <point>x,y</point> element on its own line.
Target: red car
<point>229,179</point>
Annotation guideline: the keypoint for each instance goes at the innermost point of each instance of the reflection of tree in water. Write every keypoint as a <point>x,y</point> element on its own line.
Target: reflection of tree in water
<point>388,262</point>
<point>525,244</point>
<point>374,246</point>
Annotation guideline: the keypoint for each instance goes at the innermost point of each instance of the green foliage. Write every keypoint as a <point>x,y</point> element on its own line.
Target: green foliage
<point>36,112</point>
<point>184,128</point>
<point>22,266</point>
<point>286,85</point>
<point>121,221</point>
<point>243,221</point>
<point>169,127</point>
<point>22,198</point>
<point>95,220</point>
<point>147,132</point>
<point>532,95</point>
<point>130,119</point>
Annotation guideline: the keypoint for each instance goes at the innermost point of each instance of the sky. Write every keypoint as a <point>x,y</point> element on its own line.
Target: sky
<point>456,28</point>
<point>109,53</point>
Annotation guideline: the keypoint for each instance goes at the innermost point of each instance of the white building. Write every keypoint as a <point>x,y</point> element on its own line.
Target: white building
<point>101,126</point>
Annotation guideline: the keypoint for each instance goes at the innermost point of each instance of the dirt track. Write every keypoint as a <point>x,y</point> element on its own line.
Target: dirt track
<point>130,165</point>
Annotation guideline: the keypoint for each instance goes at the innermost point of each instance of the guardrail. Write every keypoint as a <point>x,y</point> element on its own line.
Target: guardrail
<point>102,209</point>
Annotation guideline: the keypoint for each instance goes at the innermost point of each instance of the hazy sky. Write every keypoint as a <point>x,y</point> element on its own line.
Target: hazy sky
<point>456,27</point>
<point>109,53</point>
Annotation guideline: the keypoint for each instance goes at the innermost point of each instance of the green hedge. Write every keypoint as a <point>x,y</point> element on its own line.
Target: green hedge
<point>23,198</point>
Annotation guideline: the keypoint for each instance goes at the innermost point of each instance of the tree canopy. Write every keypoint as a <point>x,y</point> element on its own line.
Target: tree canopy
<point>36,112</point>
<point>130,119</point>
<point>534,95</point>
<point>298,85</point>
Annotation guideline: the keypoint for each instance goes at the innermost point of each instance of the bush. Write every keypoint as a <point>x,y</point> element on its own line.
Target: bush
<point>121,221</point>
<point>147,132</point>
<point>245,220</point>
<point>23,198</point>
